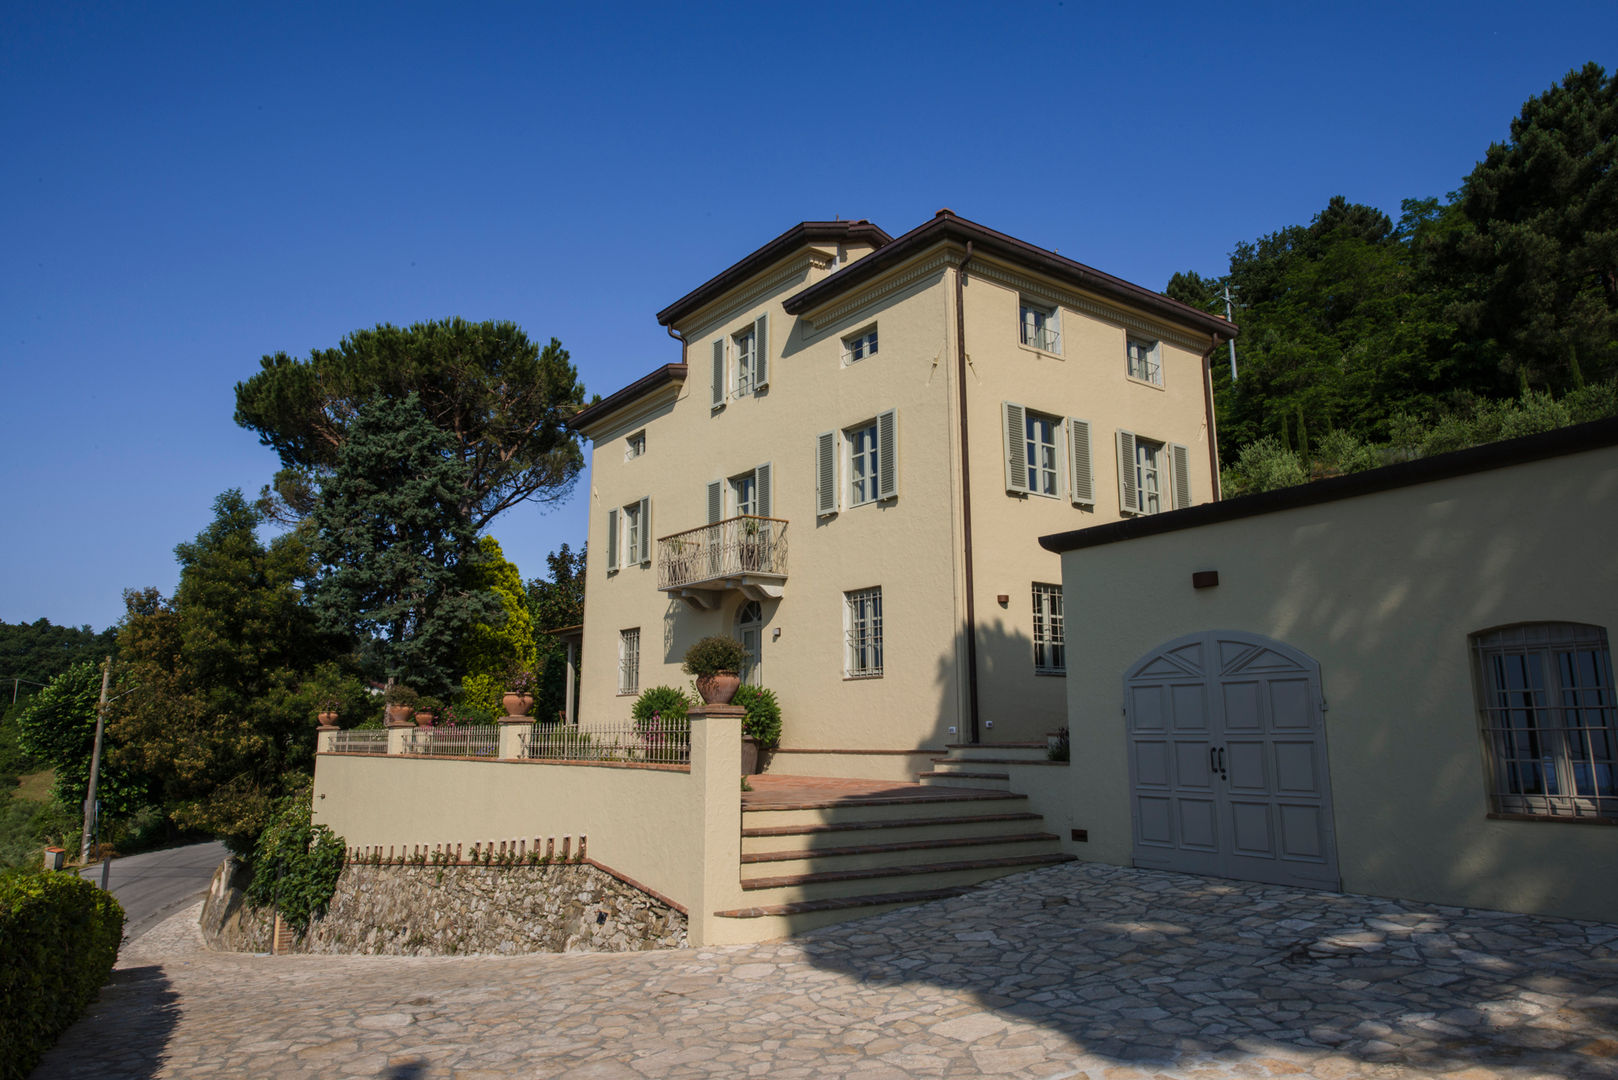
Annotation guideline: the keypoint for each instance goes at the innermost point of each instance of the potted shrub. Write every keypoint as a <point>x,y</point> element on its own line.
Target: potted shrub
<point>717,663</point>
<point>427,709</point>
<point>326,711</point>
<point>399,704</point>
<point>761,727</point>
<point>519,695</point>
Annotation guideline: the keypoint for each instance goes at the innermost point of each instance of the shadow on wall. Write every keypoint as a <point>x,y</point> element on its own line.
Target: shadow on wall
<point>1005,656</point>
<point>1145,967</point>
<point>125,1031</point>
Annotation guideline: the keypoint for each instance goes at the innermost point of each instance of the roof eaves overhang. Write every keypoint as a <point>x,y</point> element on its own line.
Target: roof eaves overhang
<point>799,236</point>
<point>947,228</point>
<point>592,415</point>
<point>1595,435</point>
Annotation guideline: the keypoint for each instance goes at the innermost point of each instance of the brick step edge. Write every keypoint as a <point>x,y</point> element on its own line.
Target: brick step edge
<point>897,845</point>
<point>840,903</point>
<point>895,823</point>
<point>956,795</point>
<point>998,745</point>
<point>749,884</point>
<point>967,775</point>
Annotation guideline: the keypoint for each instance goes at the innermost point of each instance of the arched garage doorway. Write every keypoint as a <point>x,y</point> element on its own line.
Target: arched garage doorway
<point>1227,761</point>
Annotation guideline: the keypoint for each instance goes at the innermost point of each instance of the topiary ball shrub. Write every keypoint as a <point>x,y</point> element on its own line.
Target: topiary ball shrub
<point>763,720</point>
<point>714,654</point>
<point>668,703</point>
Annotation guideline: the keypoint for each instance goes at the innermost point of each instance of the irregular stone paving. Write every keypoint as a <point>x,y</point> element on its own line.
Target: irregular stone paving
<point>1077,971</point>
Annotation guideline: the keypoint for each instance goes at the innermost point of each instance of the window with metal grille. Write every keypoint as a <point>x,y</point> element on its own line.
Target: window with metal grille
<point>629,661</point>
<point>1040,329</point>
<point>1548,716</point>
<point>1143,361</point>
<point>862,618</point>
<point>1050,653</point>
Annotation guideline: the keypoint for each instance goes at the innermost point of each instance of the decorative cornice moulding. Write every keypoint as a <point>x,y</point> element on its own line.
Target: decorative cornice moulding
<point>882,288</point>
<point>1054,294</point>
<point>734,305</point>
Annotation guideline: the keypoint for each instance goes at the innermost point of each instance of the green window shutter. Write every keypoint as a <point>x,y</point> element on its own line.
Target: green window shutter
<point>645,553</point>
<point>761,352</point>
<point>1182,475</point>
<point>612,540</point>
<point>1014,424</point>
<point>761,485</point>
<point>719,374</point>
<point>887,454</point>
<point>716,501</point>
<point>1082,480</point>
<point>826,473</point>
<point>1128,496</point>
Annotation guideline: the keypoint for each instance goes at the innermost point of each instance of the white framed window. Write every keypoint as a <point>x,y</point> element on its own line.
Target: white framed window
<point>1050,650</point>
<point>629,661</point>
<point>629,535</point>
<point>1041,326</point>
<point>1152,476</point>
<point>744,494</point>
<point>857,465</point>
<point>746,346</point>
<point>1039,435</point>
<point>748,494</point>
<point>1144,360</point>
<point>750,632</point>
<point>635,446</point>
<point>1549,721</point>
<point>862,632</point>
<point>858,346</point>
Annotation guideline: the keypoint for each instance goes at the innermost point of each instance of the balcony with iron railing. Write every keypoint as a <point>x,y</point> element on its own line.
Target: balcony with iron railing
<point>747,554</point>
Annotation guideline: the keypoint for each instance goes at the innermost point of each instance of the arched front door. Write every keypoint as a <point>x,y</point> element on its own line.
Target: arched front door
<point>1227,761</point>
<point>750,631</point>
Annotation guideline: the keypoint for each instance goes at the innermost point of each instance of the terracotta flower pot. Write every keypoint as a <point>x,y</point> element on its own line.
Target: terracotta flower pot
<point>424,719</point>
<point>718,688</point>
<point>327,719</point>
<point>749,756</point>
<point>517,704</point>
<point>398,715</point>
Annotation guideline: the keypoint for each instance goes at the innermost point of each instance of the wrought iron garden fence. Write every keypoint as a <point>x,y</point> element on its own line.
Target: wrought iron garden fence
<point>468,740</point>
<point>360,742</point>
<point>653,742</point>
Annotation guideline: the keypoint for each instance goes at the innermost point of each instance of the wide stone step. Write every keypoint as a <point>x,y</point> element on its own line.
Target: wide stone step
<point>1018,751</point>
<point>929,802</point>
<point>951,763</point>
<point>830,884</point>
<point>901,853</point>
<point>881,901</point>
<point>974,778</point>
<point>820,836</point>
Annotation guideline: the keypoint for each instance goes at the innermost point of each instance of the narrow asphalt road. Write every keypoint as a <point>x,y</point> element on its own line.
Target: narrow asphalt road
<point>155,884</point>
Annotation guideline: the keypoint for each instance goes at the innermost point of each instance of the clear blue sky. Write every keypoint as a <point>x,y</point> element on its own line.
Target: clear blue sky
<point>185,188</point>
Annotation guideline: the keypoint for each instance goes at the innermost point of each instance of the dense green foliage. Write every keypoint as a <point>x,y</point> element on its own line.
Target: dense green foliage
<point>397,549</point>
<point>501,402</point>
<point>506,644</point>
<point>35,653</point>
<point>553,604</point>
<point>668,704</point>
<point>714,654</point>
<point>296,862</point>
<point>58,728</point>
<point>763,719</point>
<point>1353,321</point>
<point>59,938</point>
<point>224,678</point>
<point>28,827</point>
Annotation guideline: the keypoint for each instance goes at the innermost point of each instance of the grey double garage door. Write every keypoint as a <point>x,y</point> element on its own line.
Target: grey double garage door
<point>1227,761</point>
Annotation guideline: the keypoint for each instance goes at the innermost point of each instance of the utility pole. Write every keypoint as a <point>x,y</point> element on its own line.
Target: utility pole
<point>95,764</point>
<point>1230,341</point>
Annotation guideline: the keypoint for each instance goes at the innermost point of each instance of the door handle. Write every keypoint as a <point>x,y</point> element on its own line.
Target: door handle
<point>1222,775</point>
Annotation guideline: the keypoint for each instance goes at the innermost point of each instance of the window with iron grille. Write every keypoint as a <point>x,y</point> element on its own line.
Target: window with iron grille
<point>1050,653</point>
<point>862,624</point>
<point>1548,715</point>
<point>1144,363</point>
<point>629,661</point>
<point>1040,328</point>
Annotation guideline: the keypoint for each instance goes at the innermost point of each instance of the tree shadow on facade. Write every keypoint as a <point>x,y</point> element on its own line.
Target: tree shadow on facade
<point>124,1033</point>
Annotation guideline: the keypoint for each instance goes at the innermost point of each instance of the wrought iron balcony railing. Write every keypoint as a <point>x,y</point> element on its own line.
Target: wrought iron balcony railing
<point>747,553</point>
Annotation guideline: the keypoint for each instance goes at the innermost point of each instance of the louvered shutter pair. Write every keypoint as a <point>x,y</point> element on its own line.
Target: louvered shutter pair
<point>643,543</point>
<point>763,485</point>
<point>827,490</point>
<point>1014,429</point>
<point>761,362</point>
<point>1129,486</point>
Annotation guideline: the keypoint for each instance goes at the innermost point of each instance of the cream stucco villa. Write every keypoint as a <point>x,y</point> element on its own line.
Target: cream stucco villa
<point>849,468</point>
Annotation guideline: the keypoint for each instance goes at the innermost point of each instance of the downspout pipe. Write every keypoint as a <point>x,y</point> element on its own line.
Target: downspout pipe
<point>677,336</point>
<point>1208,405</point>
<point>966,499</point>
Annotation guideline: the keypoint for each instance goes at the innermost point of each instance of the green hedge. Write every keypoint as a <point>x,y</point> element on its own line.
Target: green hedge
<point>59,937</point>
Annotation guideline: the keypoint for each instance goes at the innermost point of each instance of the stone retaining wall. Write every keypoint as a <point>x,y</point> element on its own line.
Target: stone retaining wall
<point>449,910</point>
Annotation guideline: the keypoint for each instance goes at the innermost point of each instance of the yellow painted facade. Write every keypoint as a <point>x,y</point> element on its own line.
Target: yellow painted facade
<point>667,444</point>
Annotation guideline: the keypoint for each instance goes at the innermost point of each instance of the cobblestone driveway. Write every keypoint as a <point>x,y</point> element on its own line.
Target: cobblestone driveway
<point>1076,971</point>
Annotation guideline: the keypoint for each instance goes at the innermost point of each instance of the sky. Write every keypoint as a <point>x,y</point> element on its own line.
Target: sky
<point>185,188</point>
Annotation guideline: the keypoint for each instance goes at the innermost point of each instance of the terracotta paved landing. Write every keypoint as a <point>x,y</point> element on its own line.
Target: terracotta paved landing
<point>773,792</point>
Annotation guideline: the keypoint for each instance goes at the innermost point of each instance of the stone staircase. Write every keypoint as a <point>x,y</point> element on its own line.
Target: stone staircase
<point>982,766</point>
<point>808,861</point>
